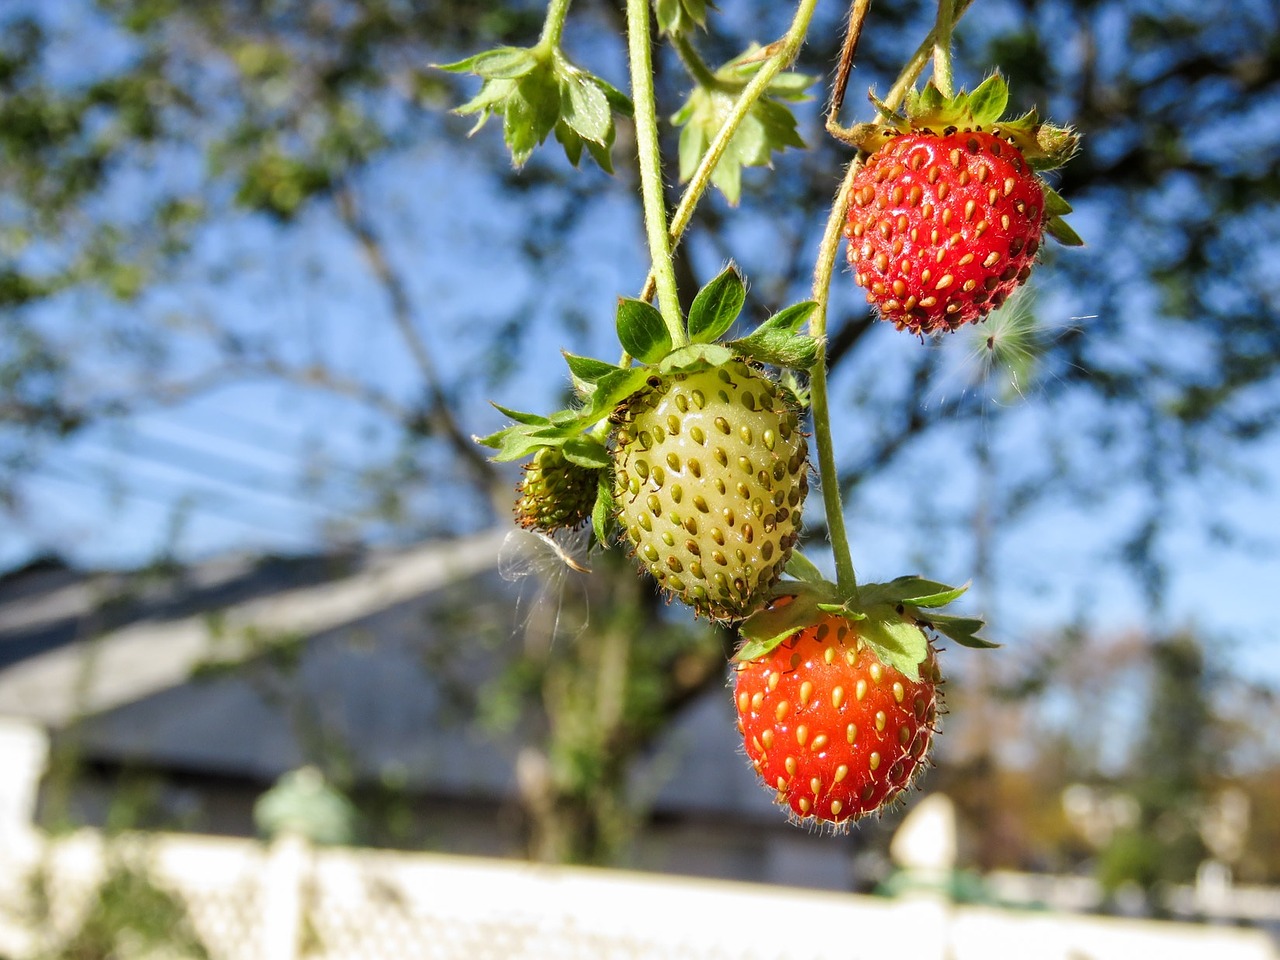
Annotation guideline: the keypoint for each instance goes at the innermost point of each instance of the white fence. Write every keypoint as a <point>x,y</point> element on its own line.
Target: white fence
<point>245,901</point>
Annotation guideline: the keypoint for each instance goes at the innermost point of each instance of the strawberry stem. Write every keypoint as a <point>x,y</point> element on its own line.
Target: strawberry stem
<point>783,52</point>
<point>942,48</point>
<point>824,269</point>
<point>553,26</point>
<point>911,72</point>
<point>650,162</point>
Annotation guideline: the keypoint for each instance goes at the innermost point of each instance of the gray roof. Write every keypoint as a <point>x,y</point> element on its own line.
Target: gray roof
<point>331,653</point>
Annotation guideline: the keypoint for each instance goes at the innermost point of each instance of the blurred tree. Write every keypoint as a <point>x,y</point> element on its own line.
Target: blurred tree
<point>178,183</point>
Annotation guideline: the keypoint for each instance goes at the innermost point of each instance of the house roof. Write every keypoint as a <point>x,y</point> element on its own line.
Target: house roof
<point>332,653</point>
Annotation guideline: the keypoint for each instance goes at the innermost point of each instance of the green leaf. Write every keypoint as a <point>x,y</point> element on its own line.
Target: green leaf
<point>530,113</point>
<point>1061,231</point>
<point>519,417</point>
<point>587,451</point>
<point>912,590</point>
<point>770,626</point>
<point>988,100</point>
<point>585,108</point>
<point>642,331</point>
<point>802,568</point>
<point>780,349</point>
<point>963,630</point>
<point>696,356</point>
<point>717,306</point>
<point>1054,205</point>
<point>605,510</point>
<point>899,643</point>
<point>504,63</point>
<point>790,319</point>
<point>589,369</point>
<point>611,390</point>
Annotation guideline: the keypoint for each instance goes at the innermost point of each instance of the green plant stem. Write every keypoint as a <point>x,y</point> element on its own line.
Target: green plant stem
<point>781,54</point>
<point>942,48</point>
<point>693,62</point>
<point>650,161</point>
<point>911,72</point>
<point>553,26</point>
<point>824,269</point>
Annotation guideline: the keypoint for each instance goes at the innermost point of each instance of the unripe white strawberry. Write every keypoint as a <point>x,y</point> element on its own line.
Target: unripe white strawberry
<point>710,474</point>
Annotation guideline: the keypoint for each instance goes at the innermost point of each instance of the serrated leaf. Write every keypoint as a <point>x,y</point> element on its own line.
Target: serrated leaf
<point>802,568</point>
<point>519,416</point>
<point>717,306</point>
<point>696,356</point>
<point>988,100</point>
<point>642,331</point>
<point>900,644</point>
<point>586,451</point>
<point>589,369</point>
<point>1061,231</point>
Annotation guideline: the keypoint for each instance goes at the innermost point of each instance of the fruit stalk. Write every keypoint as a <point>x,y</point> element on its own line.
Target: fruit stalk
<point>783,53</point>
<point>824,268</point>
<point>911,72</point>
<point>553,26</point>
<point>942,48</point>
<point>650,162</point>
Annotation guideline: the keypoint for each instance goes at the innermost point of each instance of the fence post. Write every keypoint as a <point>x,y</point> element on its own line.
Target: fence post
<point>282,899</point>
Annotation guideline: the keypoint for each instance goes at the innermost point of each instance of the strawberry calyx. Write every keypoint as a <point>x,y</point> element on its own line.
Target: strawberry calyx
<point>1044,146</point>
<point>893,618</point>
<point>602,388</point>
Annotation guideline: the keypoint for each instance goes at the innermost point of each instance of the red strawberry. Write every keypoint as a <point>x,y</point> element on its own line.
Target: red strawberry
<point>943,228</point>
<point>836,732</point>
<point>948,213</point>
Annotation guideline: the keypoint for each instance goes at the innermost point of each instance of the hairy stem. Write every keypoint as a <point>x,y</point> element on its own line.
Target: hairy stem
<point>781,53</point>
<point>553,26</point>
<point>650,161</point>
<point>942,48</point>
<point>911,72</point>
<point>824,269</point>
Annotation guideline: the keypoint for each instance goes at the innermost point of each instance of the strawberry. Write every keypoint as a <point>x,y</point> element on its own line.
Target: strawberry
<point>554,492</point>
<point>833,729</point>
<point>947,216</point>
<point>710,473</point>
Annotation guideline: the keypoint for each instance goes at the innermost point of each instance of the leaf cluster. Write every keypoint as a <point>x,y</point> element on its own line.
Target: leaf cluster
<point>768,128</point>
<point>537,91</point>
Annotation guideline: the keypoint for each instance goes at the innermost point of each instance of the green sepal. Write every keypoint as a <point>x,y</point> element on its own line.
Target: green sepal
<point>988,100</point>
<point>604,511</point>
<point>1061,231</point>
<point>696,356</point>
<point>642,331</point>
<point>519,441</point>
<point>912,590</point>
<point>803,569</point>
<point>771,625</point>
<point>587,451</point>
<point>717,306</point>
<point>533,419</point>
<point>898,641</point>
<point>680,16</point>
<point>779,345</point>
<point>963,630</point>
<point>778,340</point>
<point>501,63</point>
<point>610,391</point>
<point>588,370</point>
